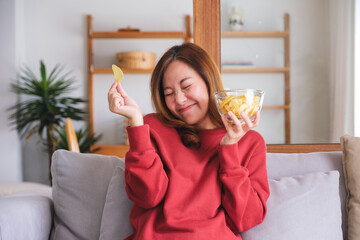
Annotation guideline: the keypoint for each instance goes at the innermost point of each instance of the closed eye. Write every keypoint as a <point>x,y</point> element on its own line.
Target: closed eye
<point>187,87</point>
<point>168,93</point>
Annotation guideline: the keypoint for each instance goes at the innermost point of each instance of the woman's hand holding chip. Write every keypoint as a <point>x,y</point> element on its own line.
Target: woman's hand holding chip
<point>236,129</point>
<point>121,103</point>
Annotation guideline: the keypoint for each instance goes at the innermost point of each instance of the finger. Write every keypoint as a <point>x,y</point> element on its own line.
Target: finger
<point>113,87</point>
<point>118,99</point>
<point>232,123</point>
<point>116,103</point>
<point>235,122</point>
<point>246,119</point>
<point>226,122</point>
<point>121,90</point>
<point>112,94</point>
<point>257,119</point>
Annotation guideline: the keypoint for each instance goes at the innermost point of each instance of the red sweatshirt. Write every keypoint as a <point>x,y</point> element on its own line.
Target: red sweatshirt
<point>213,192</point>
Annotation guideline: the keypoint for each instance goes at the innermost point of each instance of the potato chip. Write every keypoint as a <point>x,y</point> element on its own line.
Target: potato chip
<point>118,74</point>
<point>247,103</point>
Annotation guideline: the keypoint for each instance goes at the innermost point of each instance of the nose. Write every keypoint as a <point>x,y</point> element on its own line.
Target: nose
<point>180,97</point>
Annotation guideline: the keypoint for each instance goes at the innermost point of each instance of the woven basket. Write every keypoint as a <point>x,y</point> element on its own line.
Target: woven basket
<point>136,60</point>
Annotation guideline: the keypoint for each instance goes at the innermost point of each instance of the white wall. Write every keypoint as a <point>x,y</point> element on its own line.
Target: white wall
<point>357,70</point>
<point>10,161</point>
<point>55,31</point>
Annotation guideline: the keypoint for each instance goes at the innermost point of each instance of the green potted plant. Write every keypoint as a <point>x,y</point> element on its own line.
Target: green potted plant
<point>45,106</point>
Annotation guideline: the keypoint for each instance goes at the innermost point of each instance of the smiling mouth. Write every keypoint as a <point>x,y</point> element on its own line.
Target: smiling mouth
<point>184,109</point>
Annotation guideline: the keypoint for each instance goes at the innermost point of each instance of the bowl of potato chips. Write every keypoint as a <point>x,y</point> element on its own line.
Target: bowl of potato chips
<point>237,101</point>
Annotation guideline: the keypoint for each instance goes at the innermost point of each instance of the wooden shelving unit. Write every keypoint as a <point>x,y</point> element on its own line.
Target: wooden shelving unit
<point>125,70</point>
<point>120,150</point>
<point>130,34</point>
<point>284,70</point>
<point>254,70</point>
<point>254,34</point>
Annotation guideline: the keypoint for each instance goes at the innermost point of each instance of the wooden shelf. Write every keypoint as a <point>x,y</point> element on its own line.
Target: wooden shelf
<point>241,34</point>
<point>120,150</point>
<point>276,107</point>
<point>125,70</point>
<point>112,150</point>
<point>255,70</point>
<point>141,35</point>
<point>285,35</point>
<point>303,148</point>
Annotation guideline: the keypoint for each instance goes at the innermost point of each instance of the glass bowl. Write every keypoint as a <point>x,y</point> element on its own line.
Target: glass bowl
<point>239,100</point>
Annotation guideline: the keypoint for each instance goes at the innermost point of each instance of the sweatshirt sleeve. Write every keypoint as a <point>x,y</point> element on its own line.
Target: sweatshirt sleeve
<point>145,177</point>
<point>245,183</point>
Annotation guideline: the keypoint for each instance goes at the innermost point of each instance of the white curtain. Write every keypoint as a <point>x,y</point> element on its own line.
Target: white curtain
<point>341,68</point>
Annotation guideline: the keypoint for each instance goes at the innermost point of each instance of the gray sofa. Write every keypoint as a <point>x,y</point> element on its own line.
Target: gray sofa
<point>88,201</point>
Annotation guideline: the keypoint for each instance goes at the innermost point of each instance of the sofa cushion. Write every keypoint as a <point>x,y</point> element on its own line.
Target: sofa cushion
<point>291,164</point>
<point>115,222</point>
<point>26,215</point>
<point>301,207</point>
<point>80,183</point>
<point>351,162</point>
<point>10,188</point>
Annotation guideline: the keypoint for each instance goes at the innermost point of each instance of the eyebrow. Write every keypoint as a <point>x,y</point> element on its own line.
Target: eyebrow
<point>181,81</point>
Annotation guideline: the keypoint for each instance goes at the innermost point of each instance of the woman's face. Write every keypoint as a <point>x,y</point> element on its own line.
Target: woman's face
<point>186,95</point>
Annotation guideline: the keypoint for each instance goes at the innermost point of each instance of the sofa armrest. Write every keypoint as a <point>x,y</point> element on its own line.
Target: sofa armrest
<point>26,215</point>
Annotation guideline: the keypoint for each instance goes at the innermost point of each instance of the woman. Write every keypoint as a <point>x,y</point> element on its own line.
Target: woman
<point>190,172</point>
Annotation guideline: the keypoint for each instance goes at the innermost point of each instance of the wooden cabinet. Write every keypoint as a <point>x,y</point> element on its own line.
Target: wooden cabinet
<point>120,150</point>
<point>284,70</point>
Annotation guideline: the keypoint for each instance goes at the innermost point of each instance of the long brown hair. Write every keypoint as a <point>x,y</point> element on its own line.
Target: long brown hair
<point>202,63</point>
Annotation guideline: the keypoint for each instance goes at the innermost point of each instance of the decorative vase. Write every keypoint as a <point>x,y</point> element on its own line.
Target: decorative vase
<point>236,19</point>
